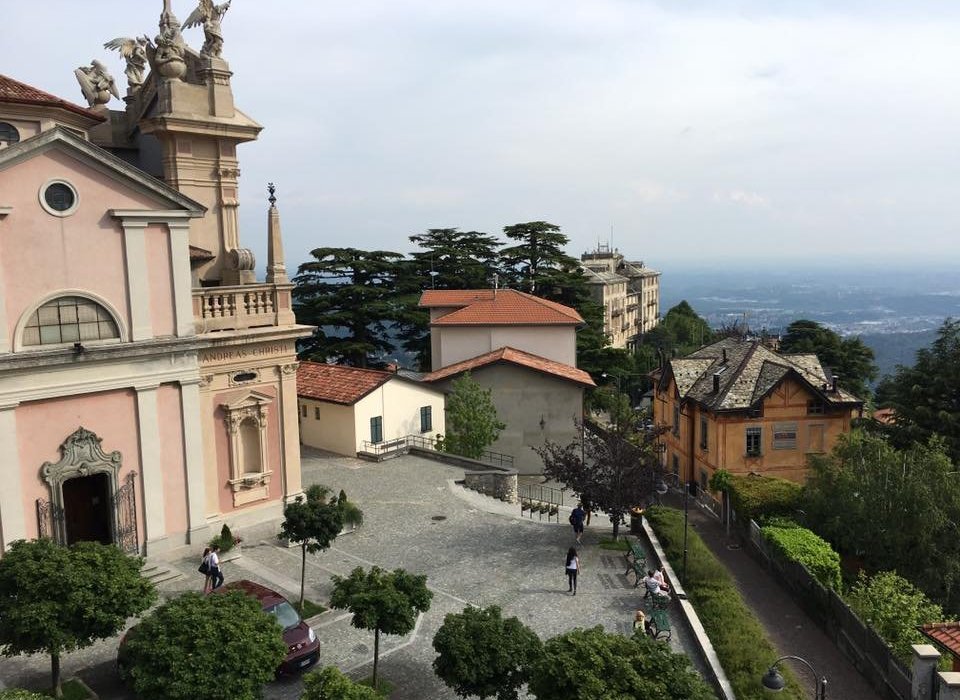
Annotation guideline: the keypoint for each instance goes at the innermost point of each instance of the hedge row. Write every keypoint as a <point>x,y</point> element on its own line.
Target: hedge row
<point>740,641</point>
<point>805,547</point>
<point>755,497</point>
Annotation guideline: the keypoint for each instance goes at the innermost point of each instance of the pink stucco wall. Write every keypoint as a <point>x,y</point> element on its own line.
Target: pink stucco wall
<point>160,278</point>
<point>273,438</point>
<point>41,253</point>
<point>43,425</point>
<point>172,458</point>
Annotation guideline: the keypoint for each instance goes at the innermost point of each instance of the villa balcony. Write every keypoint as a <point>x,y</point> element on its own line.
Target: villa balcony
<point>242,306</point>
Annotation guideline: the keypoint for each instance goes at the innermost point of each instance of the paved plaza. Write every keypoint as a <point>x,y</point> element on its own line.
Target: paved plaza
<point>473,549</point>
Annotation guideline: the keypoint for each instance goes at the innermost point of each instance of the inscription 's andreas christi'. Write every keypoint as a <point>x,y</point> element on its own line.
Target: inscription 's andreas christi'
<point>241,353</point>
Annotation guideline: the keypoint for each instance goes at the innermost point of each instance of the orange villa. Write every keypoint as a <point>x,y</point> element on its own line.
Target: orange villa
<point>737,405</point>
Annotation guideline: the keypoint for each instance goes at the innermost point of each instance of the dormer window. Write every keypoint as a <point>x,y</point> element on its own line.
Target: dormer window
<point>8,134</point>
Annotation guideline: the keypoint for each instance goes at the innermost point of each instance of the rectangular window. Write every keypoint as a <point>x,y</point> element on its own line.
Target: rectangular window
<point>426,419</point>
<point>815,438</point>
<point>784,436</point>
<point>703,432</point>
<point>814,408</point>
<point>754,441</point>
<point>376,429</point>
<point>316,413</point>
<point>676,420</point>
<point>304,407</point>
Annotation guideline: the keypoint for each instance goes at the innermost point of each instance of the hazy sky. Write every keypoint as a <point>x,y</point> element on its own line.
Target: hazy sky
<point>695,131</point>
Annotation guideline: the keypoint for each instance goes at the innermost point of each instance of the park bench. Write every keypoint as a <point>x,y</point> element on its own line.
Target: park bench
<point>659,626</point>
<point>637,561</point>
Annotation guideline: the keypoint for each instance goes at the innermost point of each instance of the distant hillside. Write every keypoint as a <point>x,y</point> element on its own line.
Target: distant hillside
<point>892,349</point>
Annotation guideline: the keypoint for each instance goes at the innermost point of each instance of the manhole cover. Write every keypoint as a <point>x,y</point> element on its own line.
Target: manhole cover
<point>438,518</point>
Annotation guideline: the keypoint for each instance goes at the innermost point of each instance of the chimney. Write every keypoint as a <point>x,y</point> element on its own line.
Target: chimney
<point>724,356</point>
<point>276,269</point>
<point>833,385</point>
<point>716,383</point>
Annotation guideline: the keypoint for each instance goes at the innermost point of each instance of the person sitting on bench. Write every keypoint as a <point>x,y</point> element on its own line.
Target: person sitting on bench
<point>653,585</point>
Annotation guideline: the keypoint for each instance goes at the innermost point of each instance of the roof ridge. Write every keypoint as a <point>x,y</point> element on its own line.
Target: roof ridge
<point>350,367</point>
<point>40,97</point>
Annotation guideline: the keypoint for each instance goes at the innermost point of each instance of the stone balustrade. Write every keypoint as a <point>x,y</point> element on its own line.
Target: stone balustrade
<point>241,306</point>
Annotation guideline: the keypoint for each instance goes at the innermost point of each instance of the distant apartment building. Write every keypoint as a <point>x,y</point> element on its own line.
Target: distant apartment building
<point>629,293</point>
<point>739,406</point>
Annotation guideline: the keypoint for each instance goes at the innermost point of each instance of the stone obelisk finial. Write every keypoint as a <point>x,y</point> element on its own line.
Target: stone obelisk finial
<point>276,269</point>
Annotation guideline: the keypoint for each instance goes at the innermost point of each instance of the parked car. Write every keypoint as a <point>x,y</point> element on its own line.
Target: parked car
<point>303,647</point>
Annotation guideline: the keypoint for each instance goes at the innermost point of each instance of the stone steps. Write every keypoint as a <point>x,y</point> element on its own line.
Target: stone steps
<point>160,573</point>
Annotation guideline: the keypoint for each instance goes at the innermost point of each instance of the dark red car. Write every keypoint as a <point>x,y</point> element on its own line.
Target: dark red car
<point>303,647</point>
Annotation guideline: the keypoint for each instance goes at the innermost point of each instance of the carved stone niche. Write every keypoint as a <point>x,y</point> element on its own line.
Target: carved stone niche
<point>246,421</point>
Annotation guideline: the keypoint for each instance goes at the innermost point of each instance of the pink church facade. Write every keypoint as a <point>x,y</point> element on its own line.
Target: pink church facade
<point>147,379</point>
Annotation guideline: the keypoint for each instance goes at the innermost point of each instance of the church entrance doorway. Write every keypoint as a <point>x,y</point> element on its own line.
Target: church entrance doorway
<point>86,509</point>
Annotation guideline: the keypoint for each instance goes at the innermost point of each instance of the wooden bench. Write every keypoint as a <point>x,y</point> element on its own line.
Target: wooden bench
<point>636,561</point>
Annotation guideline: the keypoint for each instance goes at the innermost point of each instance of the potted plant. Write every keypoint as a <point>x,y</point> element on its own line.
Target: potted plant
<point>350,514</point>
<point>229,544</point>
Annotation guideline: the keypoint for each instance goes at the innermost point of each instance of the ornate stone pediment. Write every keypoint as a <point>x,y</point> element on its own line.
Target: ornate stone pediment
<point>253,404</point>
<point>81,455</point>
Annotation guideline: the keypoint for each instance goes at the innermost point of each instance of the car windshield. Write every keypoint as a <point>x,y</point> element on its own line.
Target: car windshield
<point>286,615</point>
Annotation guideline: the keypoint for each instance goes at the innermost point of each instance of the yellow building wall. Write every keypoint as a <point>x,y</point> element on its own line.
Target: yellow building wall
<point>726,440</point>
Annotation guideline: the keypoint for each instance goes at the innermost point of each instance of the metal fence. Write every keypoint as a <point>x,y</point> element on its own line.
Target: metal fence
<point>859,642</point>
<point>403,445</point>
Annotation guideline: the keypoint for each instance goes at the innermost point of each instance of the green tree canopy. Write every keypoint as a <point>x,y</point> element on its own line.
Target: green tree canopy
<point>613,470</point>
<point>482,654</point>
<point>848,358</point>
<point>680,332</point>
<point>221,646</point>
<point>55,599</point>
<point>472,423</point>
<point>926,396</point>
<point>591,664</point>
<point>352,297</point>
<point>537,262</point>
<point>330,684</point>
<point>313,522</point>
<point>891,508</point>
<point>382,601</point>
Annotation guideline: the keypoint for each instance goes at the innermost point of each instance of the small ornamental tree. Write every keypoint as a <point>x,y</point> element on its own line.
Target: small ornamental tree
<point>894,608</point>
<point>591,664</point>
<point>221,646</point>
<point>482,654</point>
<point>314,523</point>
<point>382,601</point>
<point>330,684</point>
<point>55,599</point>
<point>472,423</point>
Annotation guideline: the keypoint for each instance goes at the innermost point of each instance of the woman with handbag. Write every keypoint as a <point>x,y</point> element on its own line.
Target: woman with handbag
<point>204,569</point>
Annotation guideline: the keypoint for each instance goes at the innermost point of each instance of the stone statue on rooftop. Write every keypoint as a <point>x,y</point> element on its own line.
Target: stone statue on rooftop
<point>96,83</point>
<point>134,52</point>
<point>210,16</point>
<point>166,51</point>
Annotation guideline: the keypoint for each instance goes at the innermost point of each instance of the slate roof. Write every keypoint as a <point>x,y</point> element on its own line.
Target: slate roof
<point>516,357</point>
<point>337,383</point>
<point>14,91</point>
<point>747,372</point>
<point>947,634</point>
<point>502,307</point>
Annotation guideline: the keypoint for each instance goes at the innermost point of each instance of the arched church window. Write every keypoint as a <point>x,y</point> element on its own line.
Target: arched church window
<point>69,320</point>
<point>8,134</point>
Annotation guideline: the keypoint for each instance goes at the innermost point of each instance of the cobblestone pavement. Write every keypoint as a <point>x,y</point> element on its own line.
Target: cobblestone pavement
<point>473,549</point>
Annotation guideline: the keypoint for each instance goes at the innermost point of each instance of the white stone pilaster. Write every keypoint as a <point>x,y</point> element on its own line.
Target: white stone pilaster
<point>180,268</point>
<point>197,526</point>
<point>151,465</point>
<point>4,334</point>
<point>13,521</point>
<point>138,290</point>
<point>289,422</point>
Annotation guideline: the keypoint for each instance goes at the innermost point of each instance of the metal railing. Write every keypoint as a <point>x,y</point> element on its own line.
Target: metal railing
<point>403,445</point>
<point>540,499</point>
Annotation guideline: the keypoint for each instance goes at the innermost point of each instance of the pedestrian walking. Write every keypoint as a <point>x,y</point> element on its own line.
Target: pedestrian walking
<point>216,574</point>
<point>204,569</point>
<point>576,519</point>
<point>572,567</point>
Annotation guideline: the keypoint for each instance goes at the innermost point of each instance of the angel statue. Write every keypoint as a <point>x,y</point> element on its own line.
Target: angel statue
<point>134,51</point>
<point>210,16</point>
<point>165,53</point>
<point>96,83</point>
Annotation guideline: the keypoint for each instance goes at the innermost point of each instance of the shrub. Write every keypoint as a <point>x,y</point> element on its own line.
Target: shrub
<point>894,608</point>
<point>225,540</point>
<point>808,549</point>
<point>330,684</point>
<point>740,641</point>
<point>755,497</point>
<point>18,694</point>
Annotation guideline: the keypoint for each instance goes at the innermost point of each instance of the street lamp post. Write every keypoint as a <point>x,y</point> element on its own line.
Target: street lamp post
<point>772,680</point>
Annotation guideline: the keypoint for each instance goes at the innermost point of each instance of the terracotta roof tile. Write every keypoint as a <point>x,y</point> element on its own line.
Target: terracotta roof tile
<point>481,307</point>
<point>20,93</point>
<point>337,383</point>
<point>516,357</point>
<point>947,634</point>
